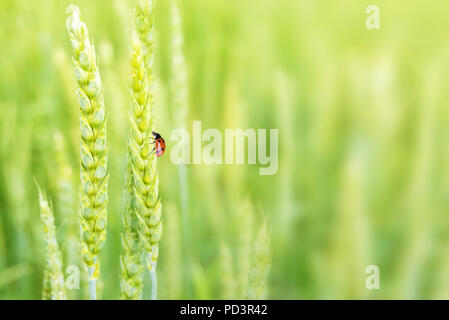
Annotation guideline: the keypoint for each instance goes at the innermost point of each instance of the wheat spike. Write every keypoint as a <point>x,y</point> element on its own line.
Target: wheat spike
<point>94,177</point>
<point>54,285</point>
<point>145,178</point>
<point>131,267</point>
<point>144,26</point>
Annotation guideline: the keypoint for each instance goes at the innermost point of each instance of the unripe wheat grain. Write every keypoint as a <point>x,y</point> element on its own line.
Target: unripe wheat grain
<point>94,177</point>
<point>54,286</point>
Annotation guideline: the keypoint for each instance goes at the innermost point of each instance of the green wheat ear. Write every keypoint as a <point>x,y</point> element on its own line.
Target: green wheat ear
<point>145,179</point>
<point>54,285</point>
<point>131,268</point>
<point>144,26</point>
<point>260,266</point>
<point>144,165</point>
<point>94,177</point>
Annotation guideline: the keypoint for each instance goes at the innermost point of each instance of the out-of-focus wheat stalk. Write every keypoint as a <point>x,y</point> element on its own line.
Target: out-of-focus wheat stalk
<point>16,170</point>
<point>286,195</point>
<point>178,78</point>
<point>66,207</point>
<point>145,178</point>
<point>179,101</point>
<point>66,199</point>
<point>243,250</point>
<point>227,275</point>
<point>63,62</point>
<point>54,285</point>
<point>350,241</point>
<point>260,265</point>
<point>94,177</point>
<point>173,257</point>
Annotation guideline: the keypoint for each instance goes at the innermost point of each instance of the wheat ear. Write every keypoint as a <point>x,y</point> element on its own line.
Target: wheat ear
<point>144,26</point>
<point>147,204</point>
<point>151,230</point>
<point>131,268</point>
<point>54,285</point>
<point>46,287</point>
<point>260,266</point>
<point>94,177</point>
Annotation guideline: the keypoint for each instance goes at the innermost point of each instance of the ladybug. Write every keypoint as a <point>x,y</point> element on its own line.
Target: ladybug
<point>159,144</point>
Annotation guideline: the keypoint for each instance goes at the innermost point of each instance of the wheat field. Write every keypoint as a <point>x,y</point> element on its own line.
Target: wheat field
<point>362,116</point>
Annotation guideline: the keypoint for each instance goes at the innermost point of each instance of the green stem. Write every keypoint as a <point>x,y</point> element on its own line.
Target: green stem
<point>153,284</point>
<point>153,276</point>
<point>182,171</point>
<point>92,284</point>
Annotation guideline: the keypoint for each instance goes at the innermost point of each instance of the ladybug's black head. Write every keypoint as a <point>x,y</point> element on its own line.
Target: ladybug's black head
<point>156,135</point>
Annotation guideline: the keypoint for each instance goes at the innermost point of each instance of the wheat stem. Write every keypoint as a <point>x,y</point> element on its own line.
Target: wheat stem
<point>153,276</point>
<point>178,77</point>
<point>179,98</point>
<point>92,283</point>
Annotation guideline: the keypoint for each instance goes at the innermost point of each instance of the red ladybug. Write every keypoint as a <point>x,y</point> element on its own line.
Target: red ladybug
<point>159,144</point>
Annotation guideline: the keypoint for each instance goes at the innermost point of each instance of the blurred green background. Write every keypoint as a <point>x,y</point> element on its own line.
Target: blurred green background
<point>363,122</point>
